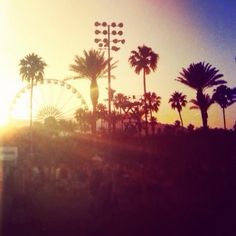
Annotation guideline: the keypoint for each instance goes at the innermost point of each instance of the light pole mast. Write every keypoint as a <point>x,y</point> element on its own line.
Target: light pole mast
<point>109,73</point>
<point>105,43</point>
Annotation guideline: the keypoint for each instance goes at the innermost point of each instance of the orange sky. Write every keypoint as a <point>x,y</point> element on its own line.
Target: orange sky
<point>58,29</point>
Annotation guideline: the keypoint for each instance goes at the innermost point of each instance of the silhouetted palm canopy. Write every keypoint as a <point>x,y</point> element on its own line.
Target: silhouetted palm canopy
<point>101,111</point>
<point>120,101</point>
<point>199,77</point>
<point>32,68</point>
<point>153,102</point>
<point>177,101</point>
<point>92,66</point>
<point>144,59</point>
<point>225,97</point>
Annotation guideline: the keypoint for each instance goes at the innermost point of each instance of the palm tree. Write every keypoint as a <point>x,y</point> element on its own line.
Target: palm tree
<point>178,101</point>
<point>92,66</point>
<point>204,104</point>
<point>101,112</point>
<point>136,113</point>
<point>151,102</point>
<point>119,101</point>
<point>144,59</point>
<point>225,97</point>
<point>32,70</point>
<point>201,76</point>
<point>81,116</point>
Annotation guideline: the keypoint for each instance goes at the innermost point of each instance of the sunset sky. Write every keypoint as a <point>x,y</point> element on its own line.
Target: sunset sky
<point>180,31</point>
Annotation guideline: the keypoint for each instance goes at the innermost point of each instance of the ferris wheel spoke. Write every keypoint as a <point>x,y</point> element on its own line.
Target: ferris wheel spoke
<point>34,112</point>
<point>60,96</point>
<point>42,94</point>
<point>36,102</point>
<point>47,93</point>
<point>71,111</point>
<point>67,102</point>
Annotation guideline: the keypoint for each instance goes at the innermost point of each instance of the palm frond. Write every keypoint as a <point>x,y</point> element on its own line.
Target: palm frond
<point>178,100</point>
<point>32,67</point>
<point>200,76</point>
<point>143,59</point>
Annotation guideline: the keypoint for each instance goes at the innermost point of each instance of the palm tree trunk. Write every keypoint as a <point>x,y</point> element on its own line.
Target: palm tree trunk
<point>181,120</point>
<point>94,119</point>
<point>223,109</point>
<point>144,82</point>
<point>94,98</point>
<point>31,116</point>
<point>200,99</point>
<point>204,118</point>
<point>145,102</point>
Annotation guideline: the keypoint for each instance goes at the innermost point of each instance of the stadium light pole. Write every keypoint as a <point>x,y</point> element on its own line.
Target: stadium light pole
<point>105,43</point>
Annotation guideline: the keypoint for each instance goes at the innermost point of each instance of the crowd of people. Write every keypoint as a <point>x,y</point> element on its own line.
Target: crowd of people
<point>102,181</point>
<point>124,187</point>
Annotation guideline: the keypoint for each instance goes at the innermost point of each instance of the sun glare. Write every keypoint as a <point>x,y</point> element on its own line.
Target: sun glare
<point>3,119</point>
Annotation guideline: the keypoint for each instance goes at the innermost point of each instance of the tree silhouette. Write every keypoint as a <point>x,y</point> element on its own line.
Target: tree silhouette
<point>136,113</point>
<point>81,115</point>
<point>224,96</point>
<point>128,110</point>
<point>145,60</point>
<point>190,127</point>
<point>205,103</point>
<point>92,66</point>
<point>178,101</point>
<point>201,76</point>
<point>101,112</point>
<point>32,70</point>
<point>120,101</point>
<point>150,103</point>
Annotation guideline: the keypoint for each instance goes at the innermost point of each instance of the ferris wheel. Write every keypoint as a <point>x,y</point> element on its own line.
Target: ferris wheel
<point>51,98</point>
